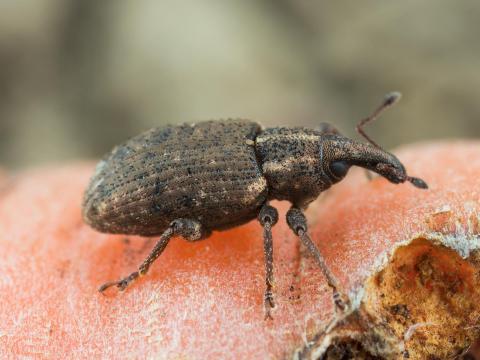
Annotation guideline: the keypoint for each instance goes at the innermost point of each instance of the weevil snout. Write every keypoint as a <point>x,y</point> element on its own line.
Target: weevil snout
<point>394,172</point>
<point>342,153</point>
<point>397,174</point>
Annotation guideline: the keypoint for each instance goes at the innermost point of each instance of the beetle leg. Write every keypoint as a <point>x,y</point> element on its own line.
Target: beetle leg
<point>327,128</point>
<point>298,223</point>
<point>189,229</point>
<point>268,216</point>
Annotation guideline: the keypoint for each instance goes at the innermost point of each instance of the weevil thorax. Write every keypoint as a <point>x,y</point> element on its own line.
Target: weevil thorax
<point>291,160</point>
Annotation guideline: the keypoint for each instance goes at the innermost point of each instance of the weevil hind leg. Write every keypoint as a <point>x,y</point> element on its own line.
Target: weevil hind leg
<point>297,221</point>
<point>268,216</point>
<point>190,230</point>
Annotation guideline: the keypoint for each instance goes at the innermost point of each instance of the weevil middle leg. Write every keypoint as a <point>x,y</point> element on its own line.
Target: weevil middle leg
<point>297,221</point>
<point>190,230</point>
<point>327,128</point>
<point>268,216</point>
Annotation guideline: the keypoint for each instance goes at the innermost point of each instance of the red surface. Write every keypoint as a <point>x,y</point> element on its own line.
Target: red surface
<point>202,300</point>
<point>358,221</point>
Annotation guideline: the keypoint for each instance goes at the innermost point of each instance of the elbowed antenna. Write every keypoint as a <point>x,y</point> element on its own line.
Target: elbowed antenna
<point>389,100</point>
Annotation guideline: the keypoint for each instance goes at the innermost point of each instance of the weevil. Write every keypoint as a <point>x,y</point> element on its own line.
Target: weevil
<point>190,180</point>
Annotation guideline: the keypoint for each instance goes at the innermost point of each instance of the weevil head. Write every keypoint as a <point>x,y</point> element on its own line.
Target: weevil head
<point>340,153</point>
<point>299,163</point>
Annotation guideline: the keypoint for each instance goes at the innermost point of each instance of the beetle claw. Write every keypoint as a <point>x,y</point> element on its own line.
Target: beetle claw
<point>107,285</point>
<point>342,303</point>
<point>269,305</point>
<point>120,284</point>
<point>268,313</point>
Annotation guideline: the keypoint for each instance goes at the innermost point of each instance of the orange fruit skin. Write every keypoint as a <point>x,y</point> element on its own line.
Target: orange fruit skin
<point>205,299</point>
<point>361,220</point>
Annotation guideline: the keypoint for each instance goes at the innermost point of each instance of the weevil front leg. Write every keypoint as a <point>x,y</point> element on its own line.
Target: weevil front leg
<point>268,216</point>
<point>189,229</point>
<point>298,223</point>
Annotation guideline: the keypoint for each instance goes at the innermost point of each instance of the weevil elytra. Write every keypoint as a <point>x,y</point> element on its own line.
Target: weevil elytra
<point>189,180</point>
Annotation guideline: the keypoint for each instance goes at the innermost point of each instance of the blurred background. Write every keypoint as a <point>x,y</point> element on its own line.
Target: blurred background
<point>77,77</point>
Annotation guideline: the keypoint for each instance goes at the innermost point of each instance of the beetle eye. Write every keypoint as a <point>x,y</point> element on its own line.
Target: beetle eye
<point>339,168</point>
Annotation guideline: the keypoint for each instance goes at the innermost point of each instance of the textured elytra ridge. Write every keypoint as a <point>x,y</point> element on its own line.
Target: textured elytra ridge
<point>176,172</point>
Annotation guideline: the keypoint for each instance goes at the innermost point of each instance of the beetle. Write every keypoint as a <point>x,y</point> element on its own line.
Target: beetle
<point>189,180</point>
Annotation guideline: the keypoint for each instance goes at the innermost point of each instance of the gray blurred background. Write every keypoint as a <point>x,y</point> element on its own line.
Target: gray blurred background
<point>77,77</point>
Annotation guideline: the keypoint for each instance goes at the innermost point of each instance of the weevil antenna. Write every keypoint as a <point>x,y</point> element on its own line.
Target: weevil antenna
<point>389,100</point>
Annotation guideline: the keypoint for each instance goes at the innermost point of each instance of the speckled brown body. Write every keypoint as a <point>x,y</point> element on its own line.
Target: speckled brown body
<point>294,163</point>
<point>219,173</point>
<point>208,172</point>
<point>188,180</point>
